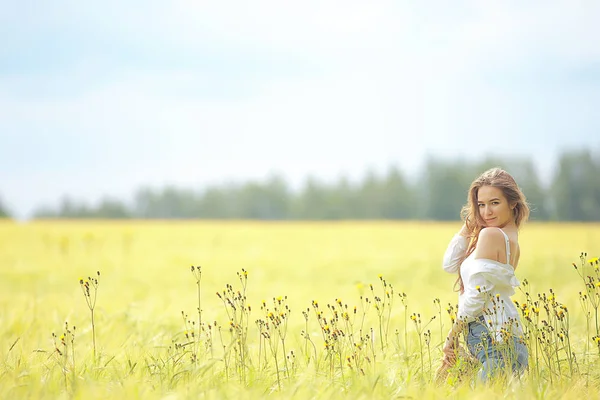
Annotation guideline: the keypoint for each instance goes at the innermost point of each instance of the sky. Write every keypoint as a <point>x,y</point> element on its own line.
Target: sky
<point>103,98</point>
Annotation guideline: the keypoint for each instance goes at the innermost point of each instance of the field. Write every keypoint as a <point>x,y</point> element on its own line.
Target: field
<point>274,330</point>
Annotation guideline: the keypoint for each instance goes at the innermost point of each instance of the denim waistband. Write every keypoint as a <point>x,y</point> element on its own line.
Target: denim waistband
<point>478,320</point>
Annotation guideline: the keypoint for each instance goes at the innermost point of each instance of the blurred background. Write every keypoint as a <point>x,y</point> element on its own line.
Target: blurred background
<point>295,110</point>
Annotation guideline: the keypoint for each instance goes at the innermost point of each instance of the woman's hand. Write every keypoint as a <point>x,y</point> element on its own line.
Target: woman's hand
<point>450,348</point>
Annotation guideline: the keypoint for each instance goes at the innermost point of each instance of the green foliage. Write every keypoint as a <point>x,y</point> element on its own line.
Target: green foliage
<point>3,211</point>
<point>576,188</point>
<point>438,193</point>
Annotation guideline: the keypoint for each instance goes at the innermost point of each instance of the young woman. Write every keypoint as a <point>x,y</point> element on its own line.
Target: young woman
<point>485,253</point>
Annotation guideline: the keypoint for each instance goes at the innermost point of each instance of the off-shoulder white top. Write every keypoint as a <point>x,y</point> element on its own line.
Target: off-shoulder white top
<point>489,285</point>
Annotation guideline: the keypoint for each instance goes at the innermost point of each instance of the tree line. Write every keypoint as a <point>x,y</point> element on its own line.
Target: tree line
<point>436,193</point>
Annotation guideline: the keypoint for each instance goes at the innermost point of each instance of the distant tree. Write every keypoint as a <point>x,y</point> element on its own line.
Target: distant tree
<point>576,187</point>
<point>398,200</point>
<point>3,210</point>
<point>111,209</point>
<point>167,203</point>
<point>437,194</point>
<point>265,201</point>
<point>69,208</point>
<point>317,201</point>
<point>44,212</point>
<point>371,196</point>
<point>445,188</point>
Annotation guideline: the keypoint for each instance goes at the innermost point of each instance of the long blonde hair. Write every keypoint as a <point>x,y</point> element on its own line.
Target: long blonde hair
<point>502,180</point>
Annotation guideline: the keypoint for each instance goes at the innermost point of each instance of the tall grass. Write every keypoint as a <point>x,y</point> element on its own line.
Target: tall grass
<point>306,310</point>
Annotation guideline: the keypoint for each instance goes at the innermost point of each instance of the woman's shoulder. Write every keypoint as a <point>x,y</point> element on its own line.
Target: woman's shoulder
<point>490,241</point>
<point>491,235</point>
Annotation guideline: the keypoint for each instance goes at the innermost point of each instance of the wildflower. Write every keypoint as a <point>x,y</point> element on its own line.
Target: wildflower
<point>593,261</point>
<point>478,288</point>
<point>597,284</point>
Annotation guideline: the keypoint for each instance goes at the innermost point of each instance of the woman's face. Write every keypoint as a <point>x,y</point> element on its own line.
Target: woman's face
<point>493,207</point>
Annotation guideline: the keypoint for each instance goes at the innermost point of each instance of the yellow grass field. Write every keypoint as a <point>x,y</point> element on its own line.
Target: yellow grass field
<point>146,282</point>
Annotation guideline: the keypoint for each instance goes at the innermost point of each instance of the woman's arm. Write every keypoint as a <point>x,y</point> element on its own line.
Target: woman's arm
<point>477,288</point>
<point>455,252</point>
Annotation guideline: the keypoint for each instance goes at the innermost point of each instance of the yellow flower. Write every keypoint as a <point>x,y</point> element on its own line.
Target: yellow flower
<point>597,284</point>
<point>593,260</point>
<point>478,288</point>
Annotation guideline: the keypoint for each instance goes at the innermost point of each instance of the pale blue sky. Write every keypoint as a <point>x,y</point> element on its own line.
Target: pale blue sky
<point>100,99</point>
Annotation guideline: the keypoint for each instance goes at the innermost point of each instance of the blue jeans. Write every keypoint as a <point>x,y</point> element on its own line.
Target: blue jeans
<point>495,357</point>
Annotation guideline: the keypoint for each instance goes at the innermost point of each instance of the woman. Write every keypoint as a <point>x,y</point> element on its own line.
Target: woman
<point>485,253</point>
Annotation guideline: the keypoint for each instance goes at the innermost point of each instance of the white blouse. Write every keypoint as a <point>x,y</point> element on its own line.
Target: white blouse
<point>489,285</point>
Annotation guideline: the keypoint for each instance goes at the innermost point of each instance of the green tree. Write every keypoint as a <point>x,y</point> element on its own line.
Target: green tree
<point>111,209</point>
<point>576,187</point>
<point>398,197</point>
<point>317,201</point>
<point>445,188</point>
<point>265,201</point>
<point>3,210</point>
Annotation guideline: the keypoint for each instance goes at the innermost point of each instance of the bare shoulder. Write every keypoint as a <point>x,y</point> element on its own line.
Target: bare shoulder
<point>489,243</point>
